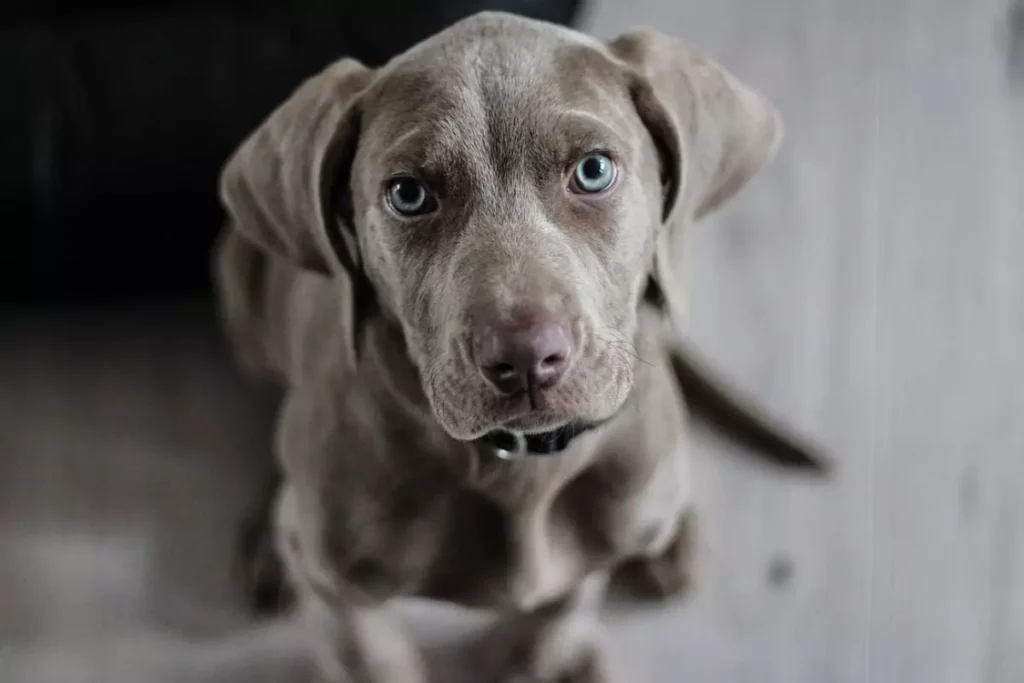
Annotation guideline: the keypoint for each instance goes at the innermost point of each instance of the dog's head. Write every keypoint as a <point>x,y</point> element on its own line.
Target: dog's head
<point>505,191</point>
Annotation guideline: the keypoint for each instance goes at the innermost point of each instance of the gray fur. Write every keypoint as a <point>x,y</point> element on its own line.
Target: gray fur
<point>364,318</point>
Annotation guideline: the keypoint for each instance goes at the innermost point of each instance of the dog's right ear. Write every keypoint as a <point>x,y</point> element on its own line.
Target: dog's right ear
<point>282,186</point>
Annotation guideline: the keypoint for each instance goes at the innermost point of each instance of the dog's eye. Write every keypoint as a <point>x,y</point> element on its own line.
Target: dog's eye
<point>594,173</point>
<point>408,197</point>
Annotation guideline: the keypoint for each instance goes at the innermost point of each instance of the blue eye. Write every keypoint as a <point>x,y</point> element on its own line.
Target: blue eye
<point>409,197</point>
<point>594,173</point>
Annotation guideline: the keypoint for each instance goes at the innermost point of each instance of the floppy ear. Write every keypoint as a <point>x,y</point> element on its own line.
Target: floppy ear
<point>713,135</point>
<point>712,132</point>
<point>284,187</point>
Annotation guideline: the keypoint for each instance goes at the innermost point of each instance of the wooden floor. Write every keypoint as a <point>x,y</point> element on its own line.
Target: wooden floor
<point>870,286</point>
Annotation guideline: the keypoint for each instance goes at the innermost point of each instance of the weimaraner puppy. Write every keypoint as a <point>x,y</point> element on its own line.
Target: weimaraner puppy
<point>463,268</point>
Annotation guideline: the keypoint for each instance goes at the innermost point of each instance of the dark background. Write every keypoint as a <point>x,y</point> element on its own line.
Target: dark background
<point>115,118</point>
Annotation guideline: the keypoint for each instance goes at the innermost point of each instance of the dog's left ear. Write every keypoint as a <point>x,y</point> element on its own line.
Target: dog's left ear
<point>713,132</point>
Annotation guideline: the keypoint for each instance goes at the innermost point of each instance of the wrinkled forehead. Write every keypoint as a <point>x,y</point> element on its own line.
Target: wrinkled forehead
<point>503,99</point>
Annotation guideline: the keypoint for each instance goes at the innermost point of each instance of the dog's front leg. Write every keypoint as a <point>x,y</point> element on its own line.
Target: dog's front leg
<point>670,573</point>
<point>558,642</point>
<point>359,643</point>
<point>354,639</point>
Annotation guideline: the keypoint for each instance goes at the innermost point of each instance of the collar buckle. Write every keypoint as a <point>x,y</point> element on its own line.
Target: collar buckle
<point>509,445</point>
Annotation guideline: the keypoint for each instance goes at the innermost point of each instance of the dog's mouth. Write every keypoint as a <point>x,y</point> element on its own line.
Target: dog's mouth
<point>551,442</point>
<point>471,411</point>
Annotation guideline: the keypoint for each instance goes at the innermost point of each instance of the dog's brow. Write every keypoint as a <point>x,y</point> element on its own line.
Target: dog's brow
<point>404,141</point>
<point>583,117</point>
<point>585,128</point>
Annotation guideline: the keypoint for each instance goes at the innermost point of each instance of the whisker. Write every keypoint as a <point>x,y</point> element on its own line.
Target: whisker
<point>628,348</point>
<point>632,346</point>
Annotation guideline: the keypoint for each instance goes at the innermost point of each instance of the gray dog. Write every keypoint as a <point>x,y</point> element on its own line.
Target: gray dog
<point>463,269</point>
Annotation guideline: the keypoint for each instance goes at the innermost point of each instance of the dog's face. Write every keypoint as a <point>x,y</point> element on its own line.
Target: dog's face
<point>505,187</point>
<point>506,198</point>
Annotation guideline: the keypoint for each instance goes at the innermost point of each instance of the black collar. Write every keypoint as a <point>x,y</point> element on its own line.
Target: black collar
<point>544,443</point>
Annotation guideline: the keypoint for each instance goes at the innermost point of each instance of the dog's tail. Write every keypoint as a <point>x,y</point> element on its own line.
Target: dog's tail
<point>711,400</point>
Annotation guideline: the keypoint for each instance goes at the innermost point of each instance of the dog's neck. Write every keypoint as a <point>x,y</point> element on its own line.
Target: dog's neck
<point>508,444</point>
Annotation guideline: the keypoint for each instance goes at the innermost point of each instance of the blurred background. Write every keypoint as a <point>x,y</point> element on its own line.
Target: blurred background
<point>869,287</point>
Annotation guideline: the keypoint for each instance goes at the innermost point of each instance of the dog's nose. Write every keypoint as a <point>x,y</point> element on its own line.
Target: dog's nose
<point>529,355</point>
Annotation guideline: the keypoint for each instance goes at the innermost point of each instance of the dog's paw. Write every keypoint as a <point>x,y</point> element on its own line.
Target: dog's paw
<point>590,667</point>
<point>546,646</point>
<point>671,574</point>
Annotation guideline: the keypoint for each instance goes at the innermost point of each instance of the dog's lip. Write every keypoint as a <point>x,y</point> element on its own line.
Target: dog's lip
<point>524,425</point>
<point>519,416</point>
<point>534,422</point>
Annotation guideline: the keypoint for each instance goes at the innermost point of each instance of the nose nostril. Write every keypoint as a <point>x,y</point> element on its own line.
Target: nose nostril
<point>554,359</point>
<point>502,370</point>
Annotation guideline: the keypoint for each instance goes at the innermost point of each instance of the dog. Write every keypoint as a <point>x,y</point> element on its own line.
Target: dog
<point>463,268</point>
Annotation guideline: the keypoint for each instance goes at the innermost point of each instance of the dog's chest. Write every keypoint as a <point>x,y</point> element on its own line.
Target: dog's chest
<point>528,530</point>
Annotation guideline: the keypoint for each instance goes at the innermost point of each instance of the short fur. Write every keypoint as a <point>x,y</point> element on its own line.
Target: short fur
<point>363,317</point>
